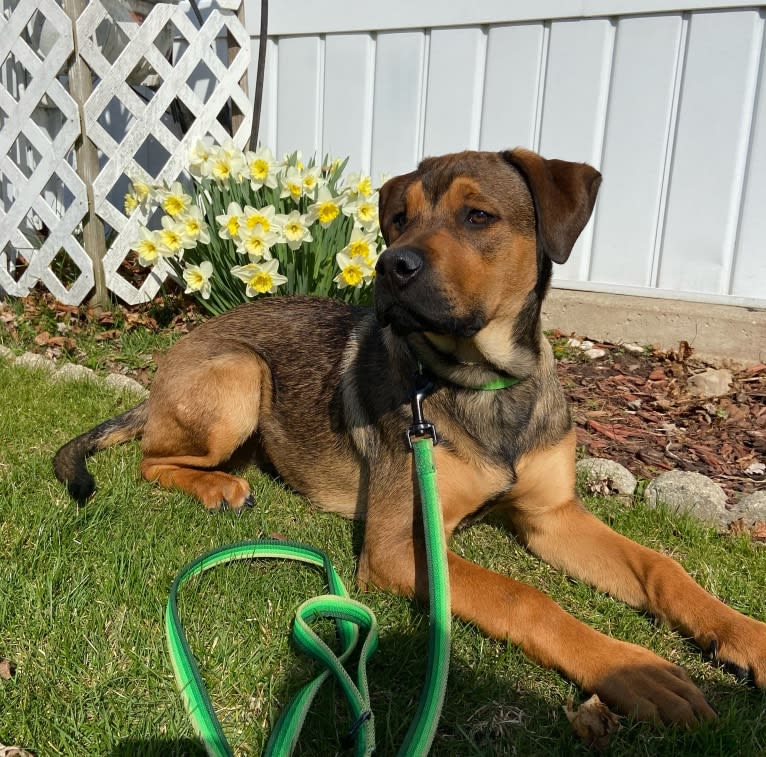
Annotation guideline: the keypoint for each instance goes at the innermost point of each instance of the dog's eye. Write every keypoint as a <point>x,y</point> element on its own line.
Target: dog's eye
<point>477,217</point>
<point>400,220</point>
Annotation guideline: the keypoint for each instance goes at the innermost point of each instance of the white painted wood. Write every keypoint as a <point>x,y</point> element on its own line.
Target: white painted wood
<point>635,147</point>
<point>348,93</point>
<point>573,110</point>
<point>455,89</point>
<point>299,104</point>
<point>400,58</point>
<point>511,86</point>
<point>311,17</point>
<point>706,175</point>
<point>749,268</point>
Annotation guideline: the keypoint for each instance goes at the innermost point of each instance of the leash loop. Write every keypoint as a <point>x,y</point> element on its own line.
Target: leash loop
<point>350,618</point>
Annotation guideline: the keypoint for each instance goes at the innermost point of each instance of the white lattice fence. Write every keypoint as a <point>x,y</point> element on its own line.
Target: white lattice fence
<point>135,129</point>
<point>42,200</point>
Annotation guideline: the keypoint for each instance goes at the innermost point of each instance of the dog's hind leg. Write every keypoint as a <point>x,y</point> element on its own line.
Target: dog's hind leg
<point>198,418</point>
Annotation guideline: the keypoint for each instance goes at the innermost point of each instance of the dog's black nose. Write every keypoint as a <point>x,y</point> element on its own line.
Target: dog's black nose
<point>401,264</point>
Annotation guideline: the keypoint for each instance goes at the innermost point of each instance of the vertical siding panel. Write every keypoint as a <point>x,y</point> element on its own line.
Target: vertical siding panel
<point>453,93</point>
<point>267,133</point>
<point>347,81</point>
<point>396,103</point>
<point>299,87</point>
<point>511,86</point>
<point>640,107</point>
<point>749,274</point>
<point>576,88</point>
<point>698,232</point>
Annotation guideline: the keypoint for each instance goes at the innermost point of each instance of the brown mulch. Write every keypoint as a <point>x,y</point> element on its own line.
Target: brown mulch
<point>637,409</point>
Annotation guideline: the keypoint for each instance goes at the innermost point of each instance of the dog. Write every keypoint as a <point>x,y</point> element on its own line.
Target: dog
<point>320,391</point>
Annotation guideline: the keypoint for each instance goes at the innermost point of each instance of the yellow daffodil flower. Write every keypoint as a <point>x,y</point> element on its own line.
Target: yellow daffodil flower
<point>197,278</point>
<point>257,244</point>
<point>260,278</point>
<point>358,184</point>
<point>263,218</point>
<point>194,223</point>
<point>364,211</point>
<point>201,158</point>
<point>362,245</point>
<point>295,230</point>
<point>292,183</point>
<point>129,203</point>
<point>174,201</point>
<point>147,246</point>
<point>173,238</point>
<point>354,271</point>
<point>262,168</point>
<point>230,221</point>
<point>325,210</point>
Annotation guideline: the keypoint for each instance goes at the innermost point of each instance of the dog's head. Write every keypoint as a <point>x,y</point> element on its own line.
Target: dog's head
<point>471,238</point>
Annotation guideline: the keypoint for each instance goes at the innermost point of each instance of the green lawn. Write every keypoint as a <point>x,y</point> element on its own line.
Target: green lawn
<point>82,595</point>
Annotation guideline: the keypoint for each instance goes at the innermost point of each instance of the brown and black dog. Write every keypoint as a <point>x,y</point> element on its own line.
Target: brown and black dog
<point>323,391</point>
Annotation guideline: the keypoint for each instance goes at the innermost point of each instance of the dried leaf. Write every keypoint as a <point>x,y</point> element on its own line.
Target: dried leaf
<point>758,531</point>
<point>593,722</point>
<point>7,669</point>
<point>656,375</point>
<point>42,338</point>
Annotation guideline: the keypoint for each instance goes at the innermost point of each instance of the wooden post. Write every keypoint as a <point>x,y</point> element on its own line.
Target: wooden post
<point>80,88</point>
<point>232,49</point>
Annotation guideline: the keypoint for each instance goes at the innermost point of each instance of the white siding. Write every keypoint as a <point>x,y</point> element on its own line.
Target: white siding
<point>667,100</point>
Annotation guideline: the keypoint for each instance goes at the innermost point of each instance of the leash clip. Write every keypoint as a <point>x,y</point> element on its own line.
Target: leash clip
<point>420,426</point>
<point>347,740</point>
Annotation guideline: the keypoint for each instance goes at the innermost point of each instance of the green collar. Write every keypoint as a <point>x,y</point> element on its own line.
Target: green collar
<point>501,382</point>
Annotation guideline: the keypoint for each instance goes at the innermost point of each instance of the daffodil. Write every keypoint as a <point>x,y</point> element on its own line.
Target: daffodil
<point>292,183</point>
<point>362,245</point>
<point>326,209</point>
<point>230,221</point>
<point>260,278</point>
<point>173,200</point>
<point>295,229</point>
<point>194,223</point>
<point>141,190</point>
<point>174,238</point>
<point>358,184</point>
<point>263,218</point>
<point>129,203</point>
<point>311,178</point>
<point>197,278</point>
<point>228,164</point>
<point>364,211</point>
<point>201,158</point>
<point>354,271</point>
<point>262,168</point>
<point>147,246</point>
<point>257,244</point>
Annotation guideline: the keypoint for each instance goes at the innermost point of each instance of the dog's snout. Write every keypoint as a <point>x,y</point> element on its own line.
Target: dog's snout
<point>401,264</point>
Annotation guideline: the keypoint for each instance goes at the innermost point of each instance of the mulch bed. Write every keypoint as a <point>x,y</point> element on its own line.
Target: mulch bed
<point>636,409</point>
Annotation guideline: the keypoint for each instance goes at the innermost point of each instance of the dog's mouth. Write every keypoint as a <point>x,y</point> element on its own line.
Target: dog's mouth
<point>404,320</point>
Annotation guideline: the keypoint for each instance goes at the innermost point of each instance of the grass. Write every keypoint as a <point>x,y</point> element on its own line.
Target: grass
<point>82,594</point>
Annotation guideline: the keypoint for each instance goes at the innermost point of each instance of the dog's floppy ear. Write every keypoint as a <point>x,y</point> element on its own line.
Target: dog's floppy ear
<point>563,193</point>
<point>391,202</point>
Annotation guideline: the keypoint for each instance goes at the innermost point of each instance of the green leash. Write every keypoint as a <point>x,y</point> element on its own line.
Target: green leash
<point>349,616</point>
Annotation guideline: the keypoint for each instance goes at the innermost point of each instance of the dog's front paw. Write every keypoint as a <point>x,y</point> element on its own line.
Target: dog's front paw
<point>221,491</point>
<point>638,683</point>
<point>740,649</point>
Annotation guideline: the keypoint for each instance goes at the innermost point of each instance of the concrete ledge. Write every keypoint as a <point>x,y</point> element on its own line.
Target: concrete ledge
<point>714,331</point>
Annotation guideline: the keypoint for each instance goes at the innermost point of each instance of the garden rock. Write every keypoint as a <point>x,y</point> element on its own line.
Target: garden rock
<point>74,372</point>
<point>751,509</point>
<point>32,360</point>
<point>5,353</point>
<point>604,476</point>
<point>692,493</point>
<point>125,383</point>
<point>634,348</point>
<point>594,353</point>
<point>714,382</point>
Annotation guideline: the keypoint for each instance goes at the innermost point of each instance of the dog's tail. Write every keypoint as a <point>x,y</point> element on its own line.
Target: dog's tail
<point>69,461</point>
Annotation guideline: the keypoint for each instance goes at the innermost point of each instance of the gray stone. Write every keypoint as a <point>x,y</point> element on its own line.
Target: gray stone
<point>6,353</point>
<point>751,508</point>
<point>634,348</point>
<point>125,383</point>
<point>714,382</point>
<point>598,471</point>
<point>594,353</point>
<point>74,372</point>
<point>692,493</point>
<point>33,360</point>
